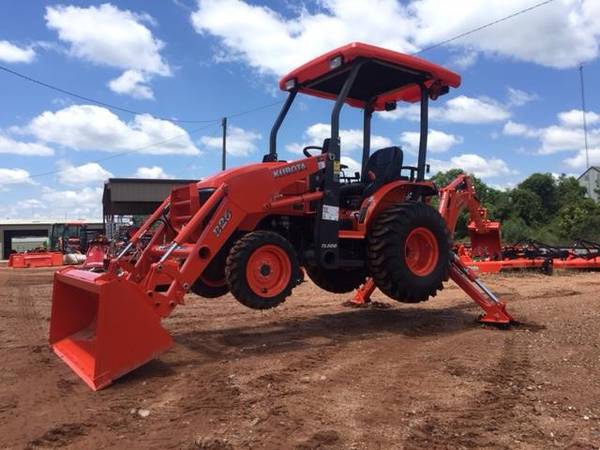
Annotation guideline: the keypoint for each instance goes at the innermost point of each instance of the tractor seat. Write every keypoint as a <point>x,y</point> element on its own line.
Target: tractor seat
<point>383,166</point>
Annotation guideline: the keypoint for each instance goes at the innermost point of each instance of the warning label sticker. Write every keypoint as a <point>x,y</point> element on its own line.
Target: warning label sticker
<point>331,212</point>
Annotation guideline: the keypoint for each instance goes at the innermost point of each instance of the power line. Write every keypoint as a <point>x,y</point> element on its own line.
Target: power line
<point>215,120</point>
<point>212,122</point>
<point>125,110</point>
<point>483,27</point>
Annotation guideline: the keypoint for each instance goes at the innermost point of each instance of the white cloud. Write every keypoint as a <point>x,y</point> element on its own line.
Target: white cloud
<point>90,173</point>
<point>83,203</point>
<point>556,138</point>
<point>351,139</point>
<point>404,112</point>
<point>274,44</point>
<point>517,97</point>
<point>154,172</point>
<point>461,109</point>
<point>14,176</point>
<point>437,141</point>
<point>353,165</point>
<point>469,110</point>
<point>12,53</point>
<point>569,29</point>
<point>240,142</point>
<point>475,164</point>
<point>464,60</point>
<point>9,145</point>
<point>108,36</point>
<point>574,118</point>
<point>132,82</point>
<point>579,161</point>
<point>567,135</point>
<point>90,127</point>
<point>519,129</point>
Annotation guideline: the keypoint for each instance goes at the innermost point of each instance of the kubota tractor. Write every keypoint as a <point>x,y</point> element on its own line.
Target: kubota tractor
<point>250,229</point>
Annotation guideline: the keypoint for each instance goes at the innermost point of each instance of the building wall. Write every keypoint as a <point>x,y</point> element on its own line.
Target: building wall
<point>591,181</point>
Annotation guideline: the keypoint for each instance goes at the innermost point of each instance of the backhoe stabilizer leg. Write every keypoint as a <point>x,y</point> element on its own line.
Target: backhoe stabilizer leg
<point>494,309</point>
<point>363,293</point>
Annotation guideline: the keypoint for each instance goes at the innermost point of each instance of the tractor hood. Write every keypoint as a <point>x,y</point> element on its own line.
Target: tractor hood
<point>226,176</point>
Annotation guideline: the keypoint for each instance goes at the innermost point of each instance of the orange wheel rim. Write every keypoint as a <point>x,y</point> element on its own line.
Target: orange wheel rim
<point>268,271</point>
<point>422,251</point>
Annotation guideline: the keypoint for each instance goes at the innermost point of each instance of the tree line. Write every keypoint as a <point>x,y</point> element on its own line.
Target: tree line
<point>554,210</point>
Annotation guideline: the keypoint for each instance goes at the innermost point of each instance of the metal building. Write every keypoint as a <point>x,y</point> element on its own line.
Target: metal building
<point>590,180</point>
<point>134,197</point>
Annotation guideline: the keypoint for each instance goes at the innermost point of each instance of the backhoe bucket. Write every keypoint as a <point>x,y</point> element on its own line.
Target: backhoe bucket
<point>102,326</point>
<point>487,244</point>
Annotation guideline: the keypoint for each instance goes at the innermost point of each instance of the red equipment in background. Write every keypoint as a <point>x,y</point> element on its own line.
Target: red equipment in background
<point>97,253</point>
<point>31,259</point>
<point>65,238</point>
<point>531,254</point>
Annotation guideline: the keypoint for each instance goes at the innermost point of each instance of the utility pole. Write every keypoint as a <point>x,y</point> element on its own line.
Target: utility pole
<point>585,136</point>
<point>224,157</point>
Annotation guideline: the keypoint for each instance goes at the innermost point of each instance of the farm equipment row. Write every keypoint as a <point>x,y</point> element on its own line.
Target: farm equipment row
<point>251,230</point>
<point>531,254</point>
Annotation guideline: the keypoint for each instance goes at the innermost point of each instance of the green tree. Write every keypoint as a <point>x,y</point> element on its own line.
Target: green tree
<point>569,191</point>
<point>544,185</point>
<point>579,220</point>
<point>527,206</point>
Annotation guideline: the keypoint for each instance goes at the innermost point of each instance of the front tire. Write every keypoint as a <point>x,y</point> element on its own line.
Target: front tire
<point>409,252</point>
<point>262,269</point>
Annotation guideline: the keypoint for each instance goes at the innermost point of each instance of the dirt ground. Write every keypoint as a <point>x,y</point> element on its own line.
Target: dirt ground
<point>315,374</point>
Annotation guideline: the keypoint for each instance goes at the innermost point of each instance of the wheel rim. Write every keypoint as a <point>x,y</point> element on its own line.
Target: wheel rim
<point>268,271</point>
<point>422,252</point>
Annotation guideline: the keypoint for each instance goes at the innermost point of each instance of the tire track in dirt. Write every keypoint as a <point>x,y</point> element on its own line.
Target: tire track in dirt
<point>279,411</point>
<point>496,418</point>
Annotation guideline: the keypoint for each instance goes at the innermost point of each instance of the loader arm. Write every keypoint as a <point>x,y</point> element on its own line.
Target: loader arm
<point>104,325</point>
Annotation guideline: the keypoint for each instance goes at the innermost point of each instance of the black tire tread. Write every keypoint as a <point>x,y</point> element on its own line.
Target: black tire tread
<point>386,263</point>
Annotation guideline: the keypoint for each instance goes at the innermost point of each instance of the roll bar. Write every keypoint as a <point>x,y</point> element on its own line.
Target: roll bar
<point>334,146</point>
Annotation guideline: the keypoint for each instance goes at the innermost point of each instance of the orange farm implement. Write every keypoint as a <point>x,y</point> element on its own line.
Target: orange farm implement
<point>251,230</point>
<point>35,259</point>
<point>535,255</point>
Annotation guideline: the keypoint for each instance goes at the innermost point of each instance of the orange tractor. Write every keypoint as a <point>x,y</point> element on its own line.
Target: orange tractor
<point>250,229</point>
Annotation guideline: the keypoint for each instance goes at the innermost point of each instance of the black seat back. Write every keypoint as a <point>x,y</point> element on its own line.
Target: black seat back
<point>385,165</point>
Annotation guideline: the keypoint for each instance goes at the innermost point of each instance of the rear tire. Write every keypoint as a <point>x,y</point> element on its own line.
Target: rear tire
<point>262,269</point>
<point>409,252</point>
<point>212,282</point>
<point>337,281</point>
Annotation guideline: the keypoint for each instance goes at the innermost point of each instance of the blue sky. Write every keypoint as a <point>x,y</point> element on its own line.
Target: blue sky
<point>517,111</point>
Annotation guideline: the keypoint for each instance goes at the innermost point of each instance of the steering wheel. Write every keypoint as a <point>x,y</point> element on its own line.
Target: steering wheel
<point>306,149</point>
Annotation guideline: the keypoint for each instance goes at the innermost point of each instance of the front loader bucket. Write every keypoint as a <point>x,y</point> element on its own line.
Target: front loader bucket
<point>103,327</point>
